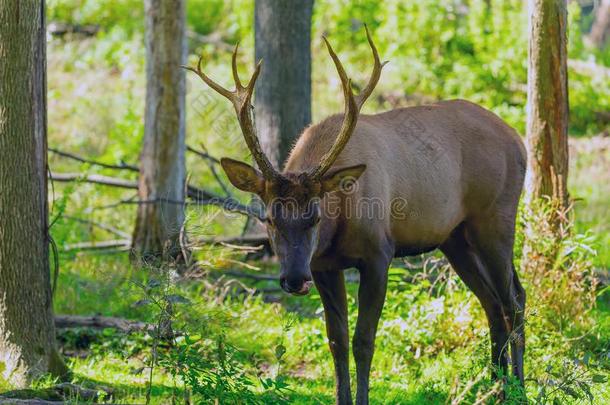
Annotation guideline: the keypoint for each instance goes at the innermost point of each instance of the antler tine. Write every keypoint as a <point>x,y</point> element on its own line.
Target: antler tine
<point>234,67</point>
<point>240,98</point>
<point>249,129</point>
<point>215,86</point>
<point>353,105</point>
<point>349,119</point>
<point>375,75</point>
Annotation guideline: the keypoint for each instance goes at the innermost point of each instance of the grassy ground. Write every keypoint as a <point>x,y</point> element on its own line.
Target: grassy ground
<point>432,343</point>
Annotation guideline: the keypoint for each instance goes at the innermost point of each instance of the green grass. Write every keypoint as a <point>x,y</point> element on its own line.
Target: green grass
<point>432,339</point>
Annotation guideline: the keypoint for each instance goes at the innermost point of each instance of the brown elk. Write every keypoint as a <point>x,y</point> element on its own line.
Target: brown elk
<point>446,175</point>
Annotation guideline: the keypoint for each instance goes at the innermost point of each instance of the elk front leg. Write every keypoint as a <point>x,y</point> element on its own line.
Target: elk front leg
<point>331,286</point>
<point>371,295</point>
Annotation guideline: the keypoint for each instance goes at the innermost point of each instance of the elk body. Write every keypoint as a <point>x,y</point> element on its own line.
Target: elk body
<point>410,180</point>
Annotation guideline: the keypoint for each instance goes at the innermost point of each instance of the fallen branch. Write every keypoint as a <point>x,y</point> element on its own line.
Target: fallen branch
<point>257,239</point>
<point>122,166</point>
<point>197,195</point>
<point>101,322</point>
<point>228,204</point>
<point>95,179</point>
<point>59,29</point>
<point>192,192</point>
<point>251,276</point>
<point>123,244</point>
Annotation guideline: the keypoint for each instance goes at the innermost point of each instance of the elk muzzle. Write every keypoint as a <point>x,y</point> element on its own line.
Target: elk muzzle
<point>296,282</point>
<point>295,259</point>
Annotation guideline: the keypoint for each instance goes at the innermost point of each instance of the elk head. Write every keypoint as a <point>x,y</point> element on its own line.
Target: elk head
<point>292,200</point>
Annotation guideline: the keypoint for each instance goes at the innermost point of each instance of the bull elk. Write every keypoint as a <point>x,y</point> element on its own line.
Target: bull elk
<point>443,176</point>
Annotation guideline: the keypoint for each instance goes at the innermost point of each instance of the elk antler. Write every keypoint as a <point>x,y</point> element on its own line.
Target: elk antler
<point>353,104</point>
<point>240,98</point>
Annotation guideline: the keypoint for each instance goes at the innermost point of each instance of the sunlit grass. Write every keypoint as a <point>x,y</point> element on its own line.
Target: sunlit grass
<point>432,340</point>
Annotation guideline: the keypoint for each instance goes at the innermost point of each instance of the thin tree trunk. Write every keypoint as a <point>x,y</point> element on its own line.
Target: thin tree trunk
<point>600,30</point>
<point>27,331</point>
<point>282,104</point>
<point>162,166</point>
<point>283,90</point>
<point>547,111</point>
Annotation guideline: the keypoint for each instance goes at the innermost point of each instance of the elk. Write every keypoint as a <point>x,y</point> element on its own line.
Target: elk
<point>447,176</point>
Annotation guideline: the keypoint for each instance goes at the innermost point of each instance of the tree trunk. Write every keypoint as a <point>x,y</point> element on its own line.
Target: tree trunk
<point>600,30</point>
<point>283,90</point>
<point>162,166</point>
<point>27,332</point>
<point>547,106</point>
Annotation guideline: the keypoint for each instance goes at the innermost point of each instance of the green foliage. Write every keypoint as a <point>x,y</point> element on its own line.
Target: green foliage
<point>475,50</point>
<point>204,16</point>
<point>108,14</point>
<point>199,354</point>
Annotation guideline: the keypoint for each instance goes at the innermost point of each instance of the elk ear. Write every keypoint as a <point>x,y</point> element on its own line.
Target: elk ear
<point>243,176</point>
<point>342,178</point>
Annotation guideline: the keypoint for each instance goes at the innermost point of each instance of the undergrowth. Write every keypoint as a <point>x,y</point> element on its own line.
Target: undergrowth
<point>219,339</point>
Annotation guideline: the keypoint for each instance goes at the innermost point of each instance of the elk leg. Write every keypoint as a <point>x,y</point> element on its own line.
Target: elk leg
<point>496,249</point>
<point>331,286</point>
<point>371,295</point>
<point>467,263</point>
<point>517,346</point>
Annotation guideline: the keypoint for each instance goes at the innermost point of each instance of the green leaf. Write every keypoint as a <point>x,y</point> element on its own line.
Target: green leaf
<point>571,392</point>
<point>280,350</point>
<point>599,378</point>
<point>177,299</point>
<point>141,303</point>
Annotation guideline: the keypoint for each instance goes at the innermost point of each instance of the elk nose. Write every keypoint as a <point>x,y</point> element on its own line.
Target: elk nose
<point>296,285</point>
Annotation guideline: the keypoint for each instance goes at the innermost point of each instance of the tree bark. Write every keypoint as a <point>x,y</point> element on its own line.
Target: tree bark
<point>27,332</point>
<point>547,106</point>
<point>600,30</point>
<point>283,90</point>
<point>162,166</point>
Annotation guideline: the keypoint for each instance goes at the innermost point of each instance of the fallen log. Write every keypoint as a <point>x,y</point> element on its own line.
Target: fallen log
<point>101,322</point>
<point>54,395</point>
